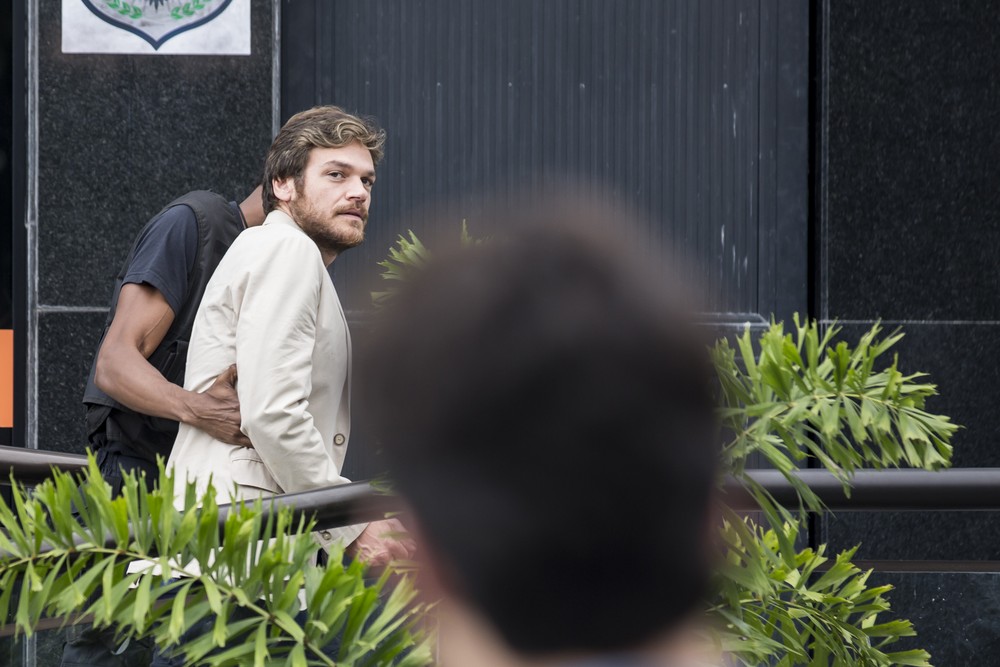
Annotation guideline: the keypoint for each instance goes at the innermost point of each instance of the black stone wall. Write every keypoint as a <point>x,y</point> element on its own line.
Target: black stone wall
<point>909,198</point>
<point>119,137</point>
<point>908,201</point>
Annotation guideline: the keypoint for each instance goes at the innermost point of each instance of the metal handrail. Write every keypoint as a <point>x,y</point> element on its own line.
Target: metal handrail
<point>31,466</point>
<point>967,489</point>
<point>976,489</point>
<point>331,507</point>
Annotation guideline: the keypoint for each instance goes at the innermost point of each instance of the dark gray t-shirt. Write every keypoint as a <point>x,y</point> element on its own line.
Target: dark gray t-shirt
<point>165,255</point>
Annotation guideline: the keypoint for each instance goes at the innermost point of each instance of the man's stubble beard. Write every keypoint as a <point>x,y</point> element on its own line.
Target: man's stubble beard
<point>322,234</point>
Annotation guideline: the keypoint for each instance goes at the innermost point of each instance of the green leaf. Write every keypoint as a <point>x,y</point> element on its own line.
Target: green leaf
<point>142,603</point>
<point>261,653</point>
<point>912,658</point>
<point>177,627</point>
<point>284,621</point>
<point>212,593</point>
<point>297,656</point>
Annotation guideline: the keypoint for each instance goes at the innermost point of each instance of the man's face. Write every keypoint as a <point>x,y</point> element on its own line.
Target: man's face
<point>330,202</point>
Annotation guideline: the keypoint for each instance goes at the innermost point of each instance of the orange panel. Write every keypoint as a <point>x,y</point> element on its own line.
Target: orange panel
<point>6,378</point>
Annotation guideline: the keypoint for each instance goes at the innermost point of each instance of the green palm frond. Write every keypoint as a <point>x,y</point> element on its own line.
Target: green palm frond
<point>792,398</point>
<point>261,564</point>
<point>409,255</point>
<point>797,397</point>
<point>803,610</point>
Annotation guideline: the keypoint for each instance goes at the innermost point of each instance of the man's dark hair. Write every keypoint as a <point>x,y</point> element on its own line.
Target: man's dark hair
<point>548,412</point>
<point>319,127</point>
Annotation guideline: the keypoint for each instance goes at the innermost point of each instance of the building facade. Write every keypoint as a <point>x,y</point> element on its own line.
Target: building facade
<point>829,157</point>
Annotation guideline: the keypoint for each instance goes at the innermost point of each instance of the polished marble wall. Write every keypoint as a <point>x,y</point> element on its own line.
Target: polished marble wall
<point>909,122</point>
<point>119,136</point>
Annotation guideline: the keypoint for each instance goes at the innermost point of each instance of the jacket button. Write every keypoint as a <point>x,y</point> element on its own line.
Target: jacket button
<point>326,535</point>
<point>339,439</point>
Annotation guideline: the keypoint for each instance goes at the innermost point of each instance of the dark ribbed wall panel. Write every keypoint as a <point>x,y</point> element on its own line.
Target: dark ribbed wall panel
<point>658,102</point>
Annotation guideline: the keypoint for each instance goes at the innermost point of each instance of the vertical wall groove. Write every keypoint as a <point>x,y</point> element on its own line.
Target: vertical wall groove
<point>664,104</point>
<point>31,228</point>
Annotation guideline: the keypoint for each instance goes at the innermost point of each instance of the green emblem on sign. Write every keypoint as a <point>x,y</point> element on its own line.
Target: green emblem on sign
<point>156,21</point>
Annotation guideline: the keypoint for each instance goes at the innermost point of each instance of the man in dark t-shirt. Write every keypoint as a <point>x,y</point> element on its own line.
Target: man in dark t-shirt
<point>135,396</point>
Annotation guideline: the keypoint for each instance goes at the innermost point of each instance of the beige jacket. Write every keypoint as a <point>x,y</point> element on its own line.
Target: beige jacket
<point>272,309</point>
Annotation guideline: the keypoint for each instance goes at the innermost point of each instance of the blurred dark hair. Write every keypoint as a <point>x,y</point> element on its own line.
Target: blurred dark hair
<point>548,412</point>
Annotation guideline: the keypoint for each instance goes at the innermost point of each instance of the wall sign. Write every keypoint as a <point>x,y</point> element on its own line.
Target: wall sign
<point>205,27</point>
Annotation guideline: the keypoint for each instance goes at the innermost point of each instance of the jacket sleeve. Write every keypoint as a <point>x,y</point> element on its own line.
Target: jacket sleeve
<point>275,337</point>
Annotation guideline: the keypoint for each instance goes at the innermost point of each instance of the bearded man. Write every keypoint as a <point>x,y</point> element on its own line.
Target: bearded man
<point>272,310</point>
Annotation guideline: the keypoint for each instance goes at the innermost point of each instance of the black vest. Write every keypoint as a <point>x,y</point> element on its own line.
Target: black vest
<point>111,423</point>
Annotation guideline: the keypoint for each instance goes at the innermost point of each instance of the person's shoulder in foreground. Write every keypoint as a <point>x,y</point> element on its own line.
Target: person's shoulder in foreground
<point>547,410</point>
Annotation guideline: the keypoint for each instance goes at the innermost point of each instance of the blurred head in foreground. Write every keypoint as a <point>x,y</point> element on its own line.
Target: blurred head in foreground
<point>547,411</point>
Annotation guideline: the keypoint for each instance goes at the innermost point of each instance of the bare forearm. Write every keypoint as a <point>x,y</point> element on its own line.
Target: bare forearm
<point>128,377</point>
<point>125,375</point>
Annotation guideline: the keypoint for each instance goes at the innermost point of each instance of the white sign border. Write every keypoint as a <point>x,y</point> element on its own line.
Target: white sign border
<point>226,34</point>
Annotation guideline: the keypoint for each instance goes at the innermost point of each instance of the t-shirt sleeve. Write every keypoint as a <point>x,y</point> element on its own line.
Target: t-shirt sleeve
<point>165,255</point>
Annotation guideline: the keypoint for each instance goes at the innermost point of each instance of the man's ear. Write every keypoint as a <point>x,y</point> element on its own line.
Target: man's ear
<point>284,189</point>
